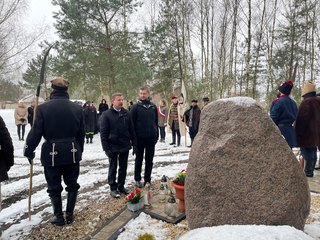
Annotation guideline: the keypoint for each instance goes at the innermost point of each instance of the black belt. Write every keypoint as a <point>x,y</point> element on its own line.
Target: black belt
<point>284,124</point>
<point>61,140</point>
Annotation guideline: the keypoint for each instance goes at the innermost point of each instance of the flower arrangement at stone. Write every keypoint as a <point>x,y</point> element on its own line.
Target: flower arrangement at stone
<point>134,196</point>
<point>180,177</point>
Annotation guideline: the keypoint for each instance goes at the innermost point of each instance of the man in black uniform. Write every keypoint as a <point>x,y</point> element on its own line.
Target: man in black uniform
<point>145,119</point>
<point>117,136</point>
<point>61,123</point>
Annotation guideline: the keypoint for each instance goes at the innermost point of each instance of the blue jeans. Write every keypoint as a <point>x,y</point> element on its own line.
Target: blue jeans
<point>310,157</point>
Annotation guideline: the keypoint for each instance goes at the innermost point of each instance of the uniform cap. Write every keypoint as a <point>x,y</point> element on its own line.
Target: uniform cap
<point>59,83</point>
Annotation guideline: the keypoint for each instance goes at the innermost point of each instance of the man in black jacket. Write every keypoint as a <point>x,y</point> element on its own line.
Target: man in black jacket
<point>61,123</point>
<point>6,153</point>
<point>145,119</point>
<point>117,135</point>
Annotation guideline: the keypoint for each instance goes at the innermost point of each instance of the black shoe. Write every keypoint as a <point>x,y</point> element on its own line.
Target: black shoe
<point>139,184</point>
<point>57,220</point>
<point>90,140</point>
<point>69,218</point>
<point>145,183</point>
<point>115,194</point>
<point>87,140</point>
<point>123,190</point>
<point>71,202</point>
<point>173,143</point>
<point>189,146</point>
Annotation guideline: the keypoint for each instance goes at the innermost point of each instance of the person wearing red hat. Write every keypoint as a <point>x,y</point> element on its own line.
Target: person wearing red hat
<point>283,112</point>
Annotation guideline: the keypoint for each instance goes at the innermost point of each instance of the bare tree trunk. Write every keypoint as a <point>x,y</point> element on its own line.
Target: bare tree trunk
<point>254,85</point>
<point>191,56</point>
<point>292,42</point>
<point>178,49</point>
<point>212,50</point>
<point>312,55</point>
<point>248,55</point>
<point>201,39</point>
<point>270,84</point>
<point>233,42</point>
<point>222,53</point>
<point>305,47</point>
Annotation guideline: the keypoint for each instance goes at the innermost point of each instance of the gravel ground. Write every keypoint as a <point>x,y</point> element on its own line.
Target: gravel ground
<point>96,215</point>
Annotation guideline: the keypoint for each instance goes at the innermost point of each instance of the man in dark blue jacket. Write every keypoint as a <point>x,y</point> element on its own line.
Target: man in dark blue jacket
<point>61,123</point>
<point>284,112</point>
<point>145,119</point>
<point>117,137</point>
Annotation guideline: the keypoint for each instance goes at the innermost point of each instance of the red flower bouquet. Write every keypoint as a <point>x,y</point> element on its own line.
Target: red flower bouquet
<point>134,196</point>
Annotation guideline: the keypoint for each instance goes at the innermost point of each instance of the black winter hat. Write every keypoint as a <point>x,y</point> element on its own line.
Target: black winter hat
<point>205,99</point>
<point>286,87</point>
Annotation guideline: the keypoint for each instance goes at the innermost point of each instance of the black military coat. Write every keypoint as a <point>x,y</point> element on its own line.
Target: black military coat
<point>61,123</point>
<point>6,151</point>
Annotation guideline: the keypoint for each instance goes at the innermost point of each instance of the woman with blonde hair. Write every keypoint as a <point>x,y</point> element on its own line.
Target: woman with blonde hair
<point>21,119</point>
<point>162,119</point>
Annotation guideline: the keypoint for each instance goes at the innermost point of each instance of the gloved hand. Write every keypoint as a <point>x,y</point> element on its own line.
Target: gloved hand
<point>109,154</point>
<point>30,158</point>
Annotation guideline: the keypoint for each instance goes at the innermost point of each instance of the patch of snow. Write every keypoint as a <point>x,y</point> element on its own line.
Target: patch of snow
<point>313,229</point>
<point>242,101</point>
<point>246,232</point>
<point>144,224</point>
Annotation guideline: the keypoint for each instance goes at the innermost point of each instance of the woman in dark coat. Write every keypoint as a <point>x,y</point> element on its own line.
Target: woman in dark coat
<point>308,126</point>
<point>103,106</point>
<point>90,120</point>
<point>6,153</point>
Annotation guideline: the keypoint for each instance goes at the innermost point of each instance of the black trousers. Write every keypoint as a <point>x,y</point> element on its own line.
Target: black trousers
<point>162,132</point>
<point>192,132</point>
<point>69,173</point>
<point>122,172</point>
<point>19,127</point>
<point>147,146</point>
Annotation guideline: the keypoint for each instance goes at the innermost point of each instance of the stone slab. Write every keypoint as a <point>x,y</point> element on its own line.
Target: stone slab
<point>115,225</point>
<point>157,211</point>
<point>314,182</point>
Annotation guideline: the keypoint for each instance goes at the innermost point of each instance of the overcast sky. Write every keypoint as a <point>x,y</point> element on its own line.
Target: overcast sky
<point>40,14</point>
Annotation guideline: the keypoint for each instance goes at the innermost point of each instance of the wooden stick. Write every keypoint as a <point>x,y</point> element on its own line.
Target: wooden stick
<point>30,190</point>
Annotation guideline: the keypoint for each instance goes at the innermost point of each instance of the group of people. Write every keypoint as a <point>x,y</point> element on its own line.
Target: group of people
<point>66,128</point>
<point>62,124</point>
<point>63,129</point>
<point>177,120</point>
<point>299,126</point>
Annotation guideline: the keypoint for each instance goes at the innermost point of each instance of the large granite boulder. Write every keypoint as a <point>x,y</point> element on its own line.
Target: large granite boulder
<point>241,170</point>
